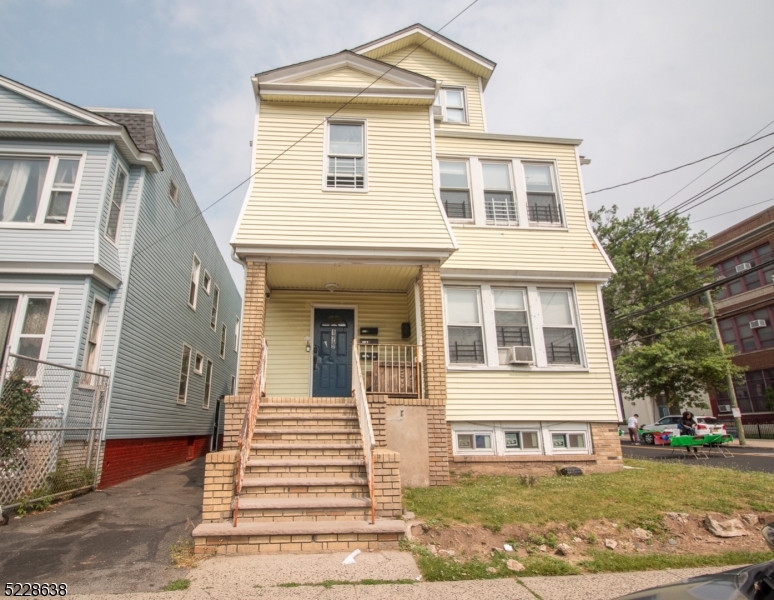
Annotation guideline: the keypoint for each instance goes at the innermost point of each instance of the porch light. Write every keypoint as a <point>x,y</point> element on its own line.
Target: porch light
<point>331,287</point>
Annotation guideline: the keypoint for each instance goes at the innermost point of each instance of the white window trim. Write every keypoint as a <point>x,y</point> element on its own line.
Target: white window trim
<point>100,332</point>
<point>544,430</point>
<point>209,366</point>
<point>233,385</point>
<point>206,287</point>
<point>470,187</point>
<point>237,333</point>
<point>184,401</point>
<point>30,291</point>
<point>223,341</point>
<point>324,179</point>
<point>482,324</point>
<point>174,197</point>
<point>442,101</point>
<point>512,180</point>
<point>197,356</point>
<point>109,204</point>
<point>45,194</point>
<point>194,268</point>
<point>557,192</point>
<point>534,321</point>
<point>214,317</point>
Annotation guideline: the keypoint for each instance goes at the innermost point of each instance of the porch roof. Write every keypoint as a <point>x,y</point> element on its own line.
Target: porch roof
<point>346,277</point>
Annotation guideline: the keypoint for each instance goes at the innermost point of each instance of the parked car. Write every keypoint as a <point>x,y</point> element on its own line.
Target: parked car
<point>705,425</point>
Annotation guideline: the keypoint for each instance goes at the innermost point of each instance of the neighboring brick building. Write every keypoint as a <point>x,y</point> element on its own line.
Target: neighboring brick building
<point>745,309</point>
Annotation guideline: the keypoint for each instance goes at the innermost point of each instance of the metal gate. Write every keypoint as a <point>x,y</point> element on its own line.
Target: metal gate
<point>51,440</point>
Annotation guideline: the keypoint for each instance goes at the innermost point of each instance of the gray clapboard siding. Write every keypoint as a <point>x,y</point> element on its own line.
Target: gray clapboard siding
<point>75,244</point>
<point>158,321</point>
<point>15,107</point>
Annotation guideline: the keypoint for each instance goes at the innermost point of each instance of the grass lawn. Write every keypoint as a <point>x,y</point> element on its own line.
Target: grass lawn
<point>632,496</point>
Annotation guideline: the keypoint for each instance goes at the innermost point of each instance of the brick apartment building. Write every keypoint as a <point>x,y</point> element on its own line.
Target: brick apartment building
<point>745,309</point>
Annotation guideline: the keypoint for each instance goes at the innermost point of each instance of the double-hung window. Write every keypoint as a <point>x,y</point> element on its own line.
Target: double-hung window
<point>90,362</point>
<point>511,322</point>
<point>30,194</point>
<point>237,325</point>
<point>206,282</point>
<point>452,103</point>
<point>223,334</point>
<point>559,327</point>
<point>193,290</point>
<point>346,156</point>
<point>215,302</point>
<point>464,325</point>
<point>498,195</point>
<point>173,192</point>
<point>455,191</point>
<point>542,205</point>
<point>116,204</point>
<point>185,367</point>
<point>207,384</point>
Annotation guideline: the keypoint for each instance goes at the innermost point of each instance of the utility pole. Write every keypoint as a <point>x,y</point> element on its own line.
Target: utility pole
<point>729,380</point>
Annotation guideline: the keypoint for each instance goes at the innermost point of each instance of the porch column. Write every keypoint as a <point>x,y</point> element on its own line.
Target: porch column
<point>252,325</point>
<point>434,371</point>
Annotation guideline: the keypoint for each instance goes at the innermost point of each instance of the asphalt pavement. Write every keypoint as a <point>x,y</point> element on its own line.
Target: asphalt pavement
<point>744,458</point>
<point>112,541</point>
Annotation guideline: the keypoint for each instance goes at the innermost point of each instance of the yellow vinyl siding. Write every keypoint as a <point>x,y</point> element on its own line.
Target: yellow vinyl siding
<point>346,76</point>
<point>539,249</point>
<point>548,395</point>
<point>426,63</point>
<point>289,321</point>
<point>288,207</point>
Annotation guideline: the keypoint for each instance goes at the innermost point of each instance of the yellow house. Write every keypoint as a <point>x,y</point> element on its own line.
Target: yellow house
<point>422,296</point>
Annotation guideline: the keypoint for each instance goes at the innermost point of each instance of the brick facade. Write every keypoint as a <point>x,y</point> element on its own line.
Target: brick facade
<point>434,370</point>
<point>235,407</point>
<point>126,459</point>
<point>253,320</point>
<point>387,491</point>
<point>219,476</point>
<point>377,407</point>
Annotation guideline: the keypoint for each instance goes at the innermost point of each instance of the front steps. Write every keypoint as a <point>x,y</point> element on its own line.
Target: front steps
<point>305,486</point>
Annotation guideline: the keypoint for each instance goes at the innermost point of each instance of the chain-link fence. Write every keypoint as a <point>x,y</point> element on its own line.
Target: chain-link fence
<point>51,418</point>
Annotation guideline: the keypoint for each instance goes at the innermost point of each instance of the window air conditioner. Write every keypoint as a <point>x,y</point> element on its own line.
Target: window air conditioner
<point>724,408</point>
<point>757,323</point>
<point>743,267</point>
<point>521,355</point>
<point>437,113</point>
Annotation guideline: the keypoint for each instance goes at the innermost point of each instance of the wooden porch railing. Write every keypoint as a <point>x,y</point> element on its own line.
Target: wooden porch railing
<point>257,392</point>
<point>366,428</point>
<point>392,369</point>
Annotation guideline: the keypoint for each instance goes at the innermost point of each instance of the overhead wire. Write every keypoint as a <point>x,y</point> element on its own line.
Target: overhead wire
<point>303,137</point>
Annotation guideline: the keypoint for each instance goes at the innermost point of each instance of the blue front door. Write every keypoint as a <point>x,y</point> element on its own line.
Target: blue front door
<point>333,334</point>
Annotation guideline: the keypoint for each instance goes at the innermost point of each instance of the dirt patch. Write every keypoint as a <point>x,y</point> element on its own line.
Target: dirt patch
<point>674,533</point>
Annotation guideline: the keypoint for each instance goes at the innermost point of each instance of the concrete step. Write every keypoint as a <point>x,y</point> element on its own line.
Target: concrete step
<point>286,503</point>
<point>306,462</point>
<point>316,430</point>
<point>307,406</point>
<point>297,536</point>
<point>272,482</point>
<point>306,435</point>
<point>303,416</point>
<point>319,421</point>
<point>261,509</point>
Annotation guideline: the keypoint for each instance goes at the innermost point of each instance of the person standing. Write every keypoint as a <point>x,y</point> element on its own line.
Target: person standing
<point>632,424</point>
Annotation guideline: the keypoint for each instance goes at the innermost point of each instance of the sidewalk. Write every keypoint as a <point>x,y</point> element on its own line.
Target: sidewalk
<point>755,443</point>
<point>258,577</point>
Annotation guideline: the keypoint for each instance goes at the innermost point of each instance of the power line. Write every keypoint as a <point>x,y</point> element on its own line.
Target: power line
<point>612,187</point>
<point>303,137</point>
<point>700,175</point>
<point>733,211</point>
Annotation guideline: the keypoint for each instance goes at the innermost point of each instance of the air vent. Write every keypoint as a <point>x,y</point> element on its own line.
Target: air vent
<point>437,113</point>
<point>521,355</point>
<point>743,267</point>
<point>757,323</point>
<point>724,408</point>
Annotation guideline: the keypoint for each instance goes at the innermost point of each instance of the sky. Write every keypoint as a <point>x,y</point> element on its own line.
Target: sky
<point>647,84</point>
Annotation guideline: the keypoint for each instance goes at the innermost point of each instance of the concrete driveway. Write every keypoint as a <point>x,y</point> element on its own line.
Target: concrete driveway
<point>111,541</point>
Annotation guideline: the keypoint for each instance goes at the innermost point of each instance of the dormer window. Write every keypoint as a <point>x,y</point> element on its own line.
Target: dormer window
<point>452,103</point>
<point>346,156</point>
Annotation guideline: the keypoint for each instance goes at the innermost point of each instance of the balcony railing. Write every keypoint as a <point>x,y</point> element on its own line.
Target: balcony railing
<point>392,369</point>
<point>542,213</point>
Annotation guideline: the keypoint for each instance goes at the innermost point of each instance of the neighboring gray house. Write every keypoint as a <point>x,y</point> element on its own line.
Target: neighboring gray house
<point>105,263</point>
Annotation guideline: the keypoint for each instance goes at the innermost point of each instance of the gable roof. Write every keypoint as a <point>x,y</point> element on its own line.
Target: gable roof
<point>293,81</point>
<point>434,42</point>
<point>88,125</point>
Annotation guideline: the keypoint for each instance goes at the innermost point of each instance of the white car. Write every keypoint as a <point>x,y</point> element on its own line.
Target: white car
<point>704,426</point>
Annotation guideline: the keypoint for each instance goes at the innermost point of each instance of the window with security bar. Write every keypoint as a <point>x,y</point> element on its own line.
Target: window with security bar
<point>743,262</point>
<point>542,204</point>
<point>511,323</point>
<point>346,156</point>
<point>498,195</point>
<point>455,189</point>
<point>559,328</point>
<point>465,325</point>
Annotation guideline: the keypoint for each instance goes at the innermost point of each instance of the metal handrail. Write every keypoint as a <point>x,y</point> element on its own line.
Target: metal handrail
<point>248,425</point>
<point>366,428</point>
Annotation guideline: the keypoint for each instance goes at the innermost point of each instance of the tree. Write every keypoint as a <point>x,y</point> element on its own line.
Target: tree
<point>18,405</point>
<point>654,258</point>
